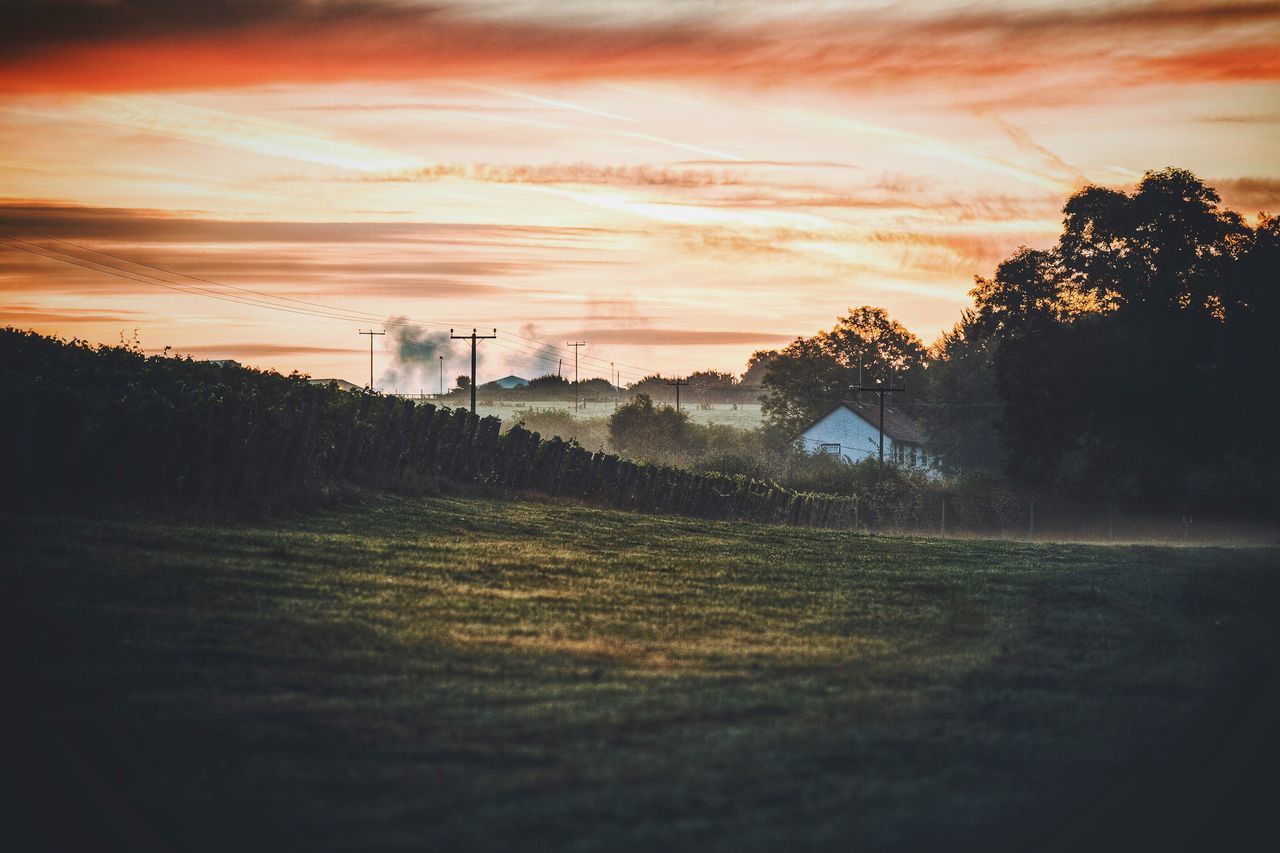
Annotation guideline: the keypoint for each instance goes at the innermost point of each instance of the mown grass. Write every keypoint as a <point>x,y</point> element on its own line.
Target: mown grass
<point>469,674</point>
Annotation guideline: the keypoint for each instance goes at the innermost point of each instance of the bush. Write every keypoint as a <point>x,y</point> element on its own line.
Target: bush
<point>589,433</point>
<point>657,434</point>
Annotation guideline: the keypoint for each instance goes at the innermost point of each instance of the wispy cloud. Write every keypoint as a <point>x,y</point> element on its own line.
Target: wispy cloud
<point>681,337</point>
<point>1251,194</point>
<point>920,143</point>
<point>261,350</point>
<point>1250,118</point>
<point>1055,163</point>
<point>246,133</point>
<point>141,225</point>
<point>22,315</point>
<point>352,260</point>
<point>563,173</point>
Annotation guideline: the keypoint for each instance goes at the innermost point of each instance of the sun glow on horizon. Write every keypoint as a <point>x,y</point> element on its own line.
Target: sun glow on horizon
<point>689,176</point>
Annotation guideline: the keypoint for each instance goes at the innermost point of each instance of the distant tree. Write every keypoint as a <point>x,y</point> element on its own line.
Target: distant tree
<point>596,389</point>
<point>548,387</point>
<point>810,375</point>
<point>463,382</point>
<point>800,384</point>
<point>757,364</point>
<point>654,386</point>
<point>712,386</point>
<point>869,338</point>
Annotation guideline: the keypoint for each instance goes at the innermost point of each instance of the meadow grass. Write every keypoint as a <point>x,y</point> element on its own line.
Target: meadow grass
<point>460,673</point>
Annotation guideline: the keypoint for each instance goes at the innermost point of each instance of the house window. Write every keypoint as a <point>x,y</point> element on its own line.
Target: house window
<point>833,449</point>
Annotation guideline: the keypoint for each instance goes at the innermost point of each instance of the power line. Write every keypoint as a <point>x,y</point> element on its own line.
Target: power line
<point>474,338</point>
<point>577,345</point>
<point>678,383</point>
<point>175,272</point>
<point>147,278</point>
<point>319,311</point>
<point>307,308</point>
<point>143,278</point>
<point>879,390</point>
<point>371,335</point>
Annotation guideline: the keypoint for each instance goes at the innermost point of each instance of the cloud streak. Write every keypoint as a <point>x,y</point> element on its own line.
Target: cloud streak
<point>678,337</point>
<point>563,173</point>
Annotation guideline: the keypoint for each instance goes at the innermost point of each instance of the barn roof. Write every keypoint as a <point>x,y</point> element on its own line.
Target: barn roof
<point>897,426</point>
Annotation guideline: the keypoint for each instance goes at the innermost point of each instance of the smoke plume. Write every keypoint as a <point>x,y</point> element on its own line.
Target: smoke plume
<point>415,358</point>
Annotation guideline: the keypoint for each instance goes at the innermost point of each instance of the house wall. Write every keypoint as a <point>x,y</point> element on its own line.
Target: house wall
<point>858,439</point>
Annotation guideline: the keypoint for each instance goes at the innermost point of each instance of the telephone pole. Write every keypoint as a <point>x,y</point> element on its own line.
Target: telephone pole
<point>371,335</point>
<point>576,346</point>
<point>879,390</point>
<point>441,376</point>
<point>474,338</point>
<point>678,384</point>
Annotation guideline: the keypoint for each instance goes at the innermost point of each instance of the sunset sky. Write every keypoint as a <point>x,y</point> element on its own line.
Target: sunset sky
<point>678,184</point>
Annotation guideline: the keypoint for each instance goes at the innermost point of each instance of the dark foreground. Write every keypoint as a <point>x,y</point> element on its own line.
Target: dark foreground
<point>468,674</point>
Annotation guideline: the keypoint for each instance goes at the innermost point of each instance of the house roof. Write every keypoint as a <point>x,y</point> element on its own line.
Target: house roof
<point>511,381</point>
<point>897,426</point>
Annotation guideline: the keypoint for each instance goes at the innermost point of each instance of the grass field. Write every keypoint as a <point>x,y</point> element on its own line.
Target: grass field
<point>458,673</point>
<point>745,416</point>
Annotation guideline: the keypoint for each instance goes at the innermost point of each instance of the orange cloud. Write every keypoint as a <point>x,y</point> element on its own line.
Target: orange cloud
<point>1240,63</point>
<point>1054,53</point>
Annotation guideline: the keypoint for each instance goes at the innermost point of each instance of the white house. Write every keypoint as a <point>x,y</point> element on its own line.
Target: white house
<point>852,429</point>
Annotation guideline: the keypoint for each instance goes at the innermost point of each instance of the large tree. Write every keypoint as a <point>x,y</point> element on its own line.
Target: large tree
<point>1129,358</point>
<point>961,413</point>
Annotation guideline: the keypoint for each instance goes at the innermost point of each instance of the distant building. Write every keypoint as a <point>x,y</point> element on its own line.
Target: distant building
<point>852,429</point>
<point>343,385</point>
<point>509,382</point>
<point>224,362</point>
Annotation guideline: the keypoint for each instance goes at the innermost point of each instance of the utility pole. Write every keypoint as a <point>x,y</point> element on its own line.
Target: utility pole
<point>677,385</point>
<point>441,376</point>
<point>474,338</point>
<point>371,335</point>
<point>577,345</point>
<point>880,390</point>
<point>613,375</point>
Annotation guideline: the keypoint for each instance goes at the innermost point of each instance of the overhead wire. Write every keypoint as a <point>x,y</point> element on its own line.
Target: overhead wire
<point>643,371</point>
<point>260,299</point>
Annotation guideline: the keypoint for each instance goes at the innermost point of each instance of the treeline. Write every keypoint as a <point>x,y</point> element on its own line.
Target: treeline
<point>96,426</point>
<point>710,387</point>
